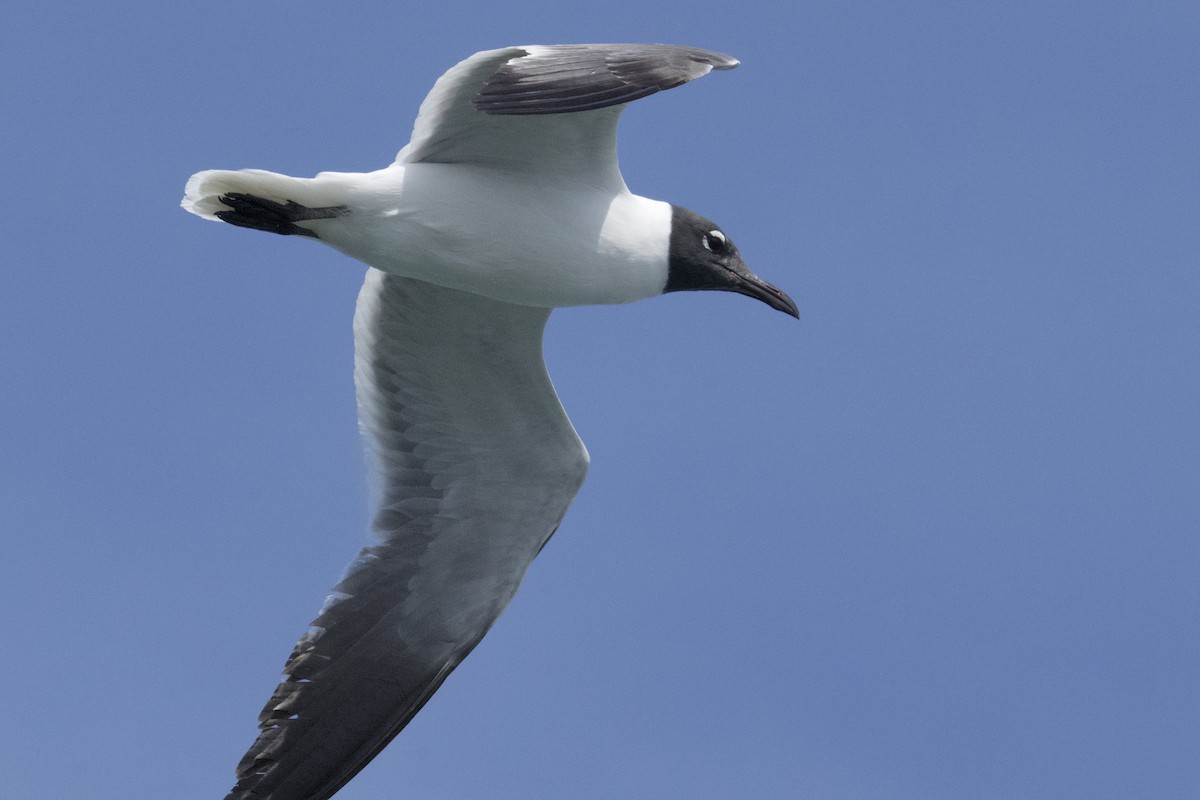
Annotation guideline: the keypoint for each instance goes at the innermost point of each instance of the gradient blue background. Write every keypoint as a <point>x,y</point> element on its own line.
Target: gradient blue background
<point>939,539</point>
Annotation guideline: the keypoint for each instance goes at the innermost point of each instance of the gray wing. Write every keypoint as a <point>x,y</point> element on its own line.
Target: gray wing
<point>555,79</point>
<point>476,465</point>
<point>509,108</point>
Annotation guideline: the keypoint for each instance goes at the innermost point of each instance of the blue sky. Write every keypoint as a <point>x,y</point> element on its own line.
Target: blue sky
<point>939,539</point>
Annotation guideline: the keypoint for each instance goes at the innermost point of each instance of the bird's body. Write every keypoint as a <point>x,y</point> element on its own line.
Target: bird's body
<point>488,231</point>
<point>507,202</point>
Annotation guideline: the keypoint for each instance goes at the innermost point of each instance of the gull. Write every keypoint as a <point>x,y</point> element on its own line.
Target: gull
<point>507,202</point>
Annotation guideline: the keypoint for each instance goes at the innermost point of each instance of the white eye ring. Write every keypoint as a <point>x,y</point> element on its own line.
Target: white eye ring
<point>714,236</point>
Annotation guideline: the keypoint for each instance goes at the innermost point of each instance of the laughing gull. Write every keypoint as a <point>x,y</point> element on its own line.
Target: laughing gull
<point>507,202</point>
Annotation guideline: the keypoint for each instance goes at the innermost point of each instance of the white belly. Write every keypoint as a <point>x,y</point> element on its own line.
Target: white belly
<point>494,234</point>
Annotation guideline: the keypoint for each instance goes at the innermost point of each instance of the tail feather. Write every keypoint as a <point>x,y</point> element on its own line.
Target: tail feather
<point>204,189</point>
<point>262,200</point>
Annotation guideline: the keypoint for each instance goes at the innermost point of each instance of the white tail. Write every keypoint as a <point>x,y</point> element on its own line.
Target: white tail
<point>204,189</point>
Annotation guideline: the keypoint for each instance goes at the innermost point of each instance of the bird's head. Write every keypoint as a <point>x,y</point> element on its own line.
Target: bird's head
<point>702,257</point>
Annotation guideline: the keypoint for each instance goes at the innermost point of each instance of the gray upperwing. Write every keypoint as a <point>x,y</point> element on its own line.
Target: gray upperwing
<point>506,109</point>
<point>476,464</point>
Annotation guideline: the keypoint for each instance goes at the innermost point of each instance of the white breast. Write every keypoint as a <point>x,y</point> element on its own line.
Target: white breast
<point>497,234</point>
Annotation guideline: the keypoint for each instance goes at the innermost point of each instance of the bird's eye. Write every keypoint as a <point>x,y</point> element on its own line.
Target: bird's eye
<point>714,242</point>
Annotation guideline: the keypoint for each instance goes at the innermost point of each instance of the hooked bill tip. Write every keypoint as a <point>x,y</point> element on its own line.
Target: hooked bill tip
<point>756,287</point>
